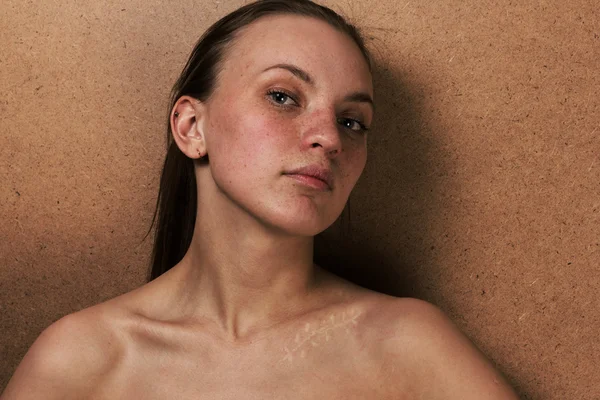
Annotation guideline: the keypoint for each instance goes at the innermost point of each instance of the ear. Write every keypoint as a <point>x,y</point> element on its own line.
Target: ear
<point>187,126</point>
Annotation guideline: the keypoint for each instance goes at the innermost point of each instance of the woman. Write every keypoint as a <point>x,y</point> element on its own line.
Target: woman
<point>268,126</point>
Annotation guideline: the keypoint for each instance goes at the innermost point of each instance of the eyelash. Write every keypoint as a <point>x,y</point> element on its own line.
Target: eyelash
<point>271,92</point>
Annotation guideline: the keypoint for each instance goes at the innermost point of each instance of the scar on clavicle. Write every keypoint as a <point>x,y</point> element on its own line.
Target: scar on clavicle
<point>311,336</point>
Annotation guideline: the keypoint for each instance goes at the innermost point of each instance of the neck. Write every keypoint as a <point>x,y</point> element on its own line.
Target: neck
<point>243,275</point>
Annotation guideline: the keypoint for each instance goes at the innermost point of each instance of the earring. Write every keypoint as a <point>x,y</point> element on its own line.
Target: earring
<point>176,114</point>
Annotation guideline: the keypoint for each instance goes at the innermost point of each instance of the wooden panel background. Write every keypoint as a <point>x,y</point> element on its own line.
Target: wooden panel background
<point>482,189</point>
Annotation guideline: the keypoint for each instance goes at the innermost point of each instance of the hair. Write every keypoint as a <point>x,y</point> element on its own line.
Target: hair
<point>177,198</point>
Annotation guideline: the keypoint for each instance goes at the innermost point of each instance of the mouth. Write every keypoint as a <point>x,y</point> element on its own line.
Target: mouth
<point>313,175</point>
<point>310,181</point>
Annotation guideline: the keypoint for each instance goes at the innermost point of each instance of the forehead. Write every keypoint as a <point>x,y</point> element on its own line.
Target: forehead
<point>330,56</point>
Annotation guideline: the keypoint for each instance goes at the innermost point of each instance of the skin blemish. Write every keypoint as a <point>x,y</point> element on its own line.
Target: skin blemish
<point>311,337</point>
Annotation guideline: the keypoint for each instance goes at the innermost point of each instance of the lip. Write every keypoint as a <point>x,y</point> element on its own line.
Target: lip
<point>313,175</point>
<point>310,181</point>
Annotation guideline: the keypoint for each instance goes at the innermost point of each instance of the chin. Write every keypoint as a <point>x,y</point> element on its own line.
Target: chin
<point>297,216</point>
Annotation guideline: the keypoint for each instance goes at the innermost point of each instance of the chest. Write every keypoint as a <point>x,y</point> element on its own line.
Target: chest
<point>303,369</point>
<point>312,382</point>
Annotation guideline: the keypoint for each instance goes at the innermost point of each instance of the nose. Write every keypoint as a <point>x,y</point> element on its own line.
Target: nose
<point>322,130</point>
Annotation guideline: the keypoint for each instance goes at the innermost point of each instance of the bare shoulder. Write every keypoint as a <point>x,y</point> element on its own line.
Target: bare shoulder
<point>445,364</point>
<point>69,358</point>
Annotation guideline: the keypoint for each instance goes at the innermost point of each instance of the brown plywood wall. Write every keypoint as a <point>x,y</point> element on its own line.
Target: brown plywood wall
<point>481,193</point>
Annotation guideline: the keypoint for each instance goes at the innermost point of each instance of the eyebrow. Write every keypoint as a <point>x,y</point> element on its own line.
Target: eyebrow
<point>355,97</point>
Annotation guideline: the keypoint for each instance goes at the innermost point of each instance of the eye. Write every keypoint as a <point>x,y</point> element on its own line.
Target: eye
<point>280,98</point>
<point>353,124</point>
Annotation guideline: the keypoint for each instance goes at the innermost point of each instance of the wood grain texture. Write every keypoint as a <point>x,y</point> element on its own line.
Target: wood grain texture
<point>481,192</point>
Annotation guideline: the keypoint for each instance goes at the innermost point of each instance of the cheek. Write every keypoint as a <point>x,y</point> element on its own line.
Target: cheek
<point>355,159</point>
<point>247,144</point>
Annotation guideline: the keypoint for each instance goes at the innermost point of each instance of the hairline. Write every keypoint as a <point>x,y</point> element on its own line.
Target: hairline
<point>235,35</point>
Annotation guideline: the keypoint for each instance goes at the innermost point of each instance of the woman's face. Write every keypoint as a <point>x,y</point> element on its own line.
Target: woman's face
<point>263,121</point>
